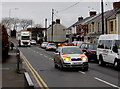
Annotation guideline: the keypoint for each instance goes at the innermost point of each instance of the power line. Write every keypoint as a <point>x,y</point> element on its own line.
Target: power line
<point>68,7</point>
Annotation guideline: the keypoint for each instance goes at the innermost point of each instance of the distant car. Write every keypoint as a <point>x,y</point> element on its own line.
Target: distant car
<point>90,51</point>
<point>33,42</point>
<point>44,44</point>
<point>70,57</point>
<point>77,43</point>
<point>51,46</point>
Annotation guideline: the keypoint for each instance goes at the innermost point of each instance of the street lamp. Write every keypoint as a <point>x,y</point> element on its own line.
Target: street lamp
<point>11,10</point>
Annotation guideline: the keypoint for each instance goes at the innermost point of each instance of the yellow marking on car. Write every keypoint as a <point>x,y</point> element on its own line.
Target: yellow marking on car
<point>58,58</point>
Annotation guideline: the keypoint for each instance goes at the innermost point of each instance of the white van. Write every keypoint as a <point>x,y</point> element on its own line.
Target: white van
<point>108,50</point>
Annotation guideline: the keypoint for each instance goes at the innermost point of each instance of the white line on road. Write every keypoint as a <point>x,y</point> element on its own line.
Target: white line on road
<point>45,56</point>
<point>41,54</point>
<point>82,72</point>
<point>107,82</point>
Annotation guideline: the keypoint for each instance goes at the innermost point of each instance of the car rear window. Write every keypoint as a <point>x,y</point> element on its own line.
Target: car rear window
<point>72,50</point>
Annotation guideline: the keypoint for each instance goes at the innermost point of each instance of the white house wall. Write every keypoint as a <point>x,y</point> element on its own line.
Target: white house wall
<point>118,23</point>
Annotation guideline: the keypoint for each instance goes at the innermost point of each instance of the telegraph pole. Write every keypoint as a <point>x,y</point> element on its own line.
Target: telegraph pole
<point>52,25</point>
<point>102,11</point>
<point>46,29</point>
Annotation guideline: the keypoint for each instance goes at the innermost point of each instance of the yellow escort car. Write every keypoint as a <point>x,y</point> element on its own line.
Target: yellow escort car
<point>70,57</point>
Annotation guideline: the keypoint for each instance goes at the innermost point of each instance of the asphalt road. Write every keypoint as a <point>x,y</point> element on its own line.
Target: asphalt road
<point>96,77</point>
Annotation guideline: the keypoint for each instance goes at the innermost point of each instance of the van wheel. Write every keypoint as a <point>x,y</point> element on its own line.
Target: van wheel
<point>116,65</point>
<point>101,62</point>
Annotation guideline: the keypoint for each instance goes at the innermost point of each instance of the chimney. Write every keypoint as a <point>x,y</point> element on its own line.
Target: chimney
<point>92,13</point>
<point>116,5</point>
<point>80,18</point>
<point>57,21</point>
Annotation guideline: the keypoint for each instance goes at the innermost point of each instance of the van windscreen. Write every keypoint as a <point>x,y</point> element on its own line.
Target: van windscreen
<point>117,42</point>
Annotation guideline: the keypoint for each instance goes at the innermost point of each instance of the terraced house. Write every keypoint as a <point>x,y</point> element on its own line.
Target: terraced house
<point>91,27</point>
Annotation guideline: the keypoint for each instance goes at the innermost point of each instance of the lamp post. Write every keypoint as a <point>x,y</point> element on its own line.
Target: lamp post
<point>10,10</point>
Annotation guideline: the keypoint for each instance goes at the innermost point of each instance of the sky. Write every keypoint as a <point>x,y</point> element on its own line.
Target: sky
<point>68,12</point>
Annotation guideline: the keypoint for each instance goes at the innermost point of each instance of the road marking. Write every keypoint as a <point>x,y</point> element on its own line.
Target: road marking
<point>41,54</point>
<point>45,56</point>
<point>82,72</point>
<point>107,82</point>
<point>34,72</point>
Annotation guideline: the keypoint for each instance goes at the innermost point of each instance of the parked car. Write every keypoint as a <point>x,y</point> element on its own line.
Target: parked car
<point>51,46</point>
<point>44,44</point>
<point>90,51</point>
<point>33,42</point>
<point>70,57</point>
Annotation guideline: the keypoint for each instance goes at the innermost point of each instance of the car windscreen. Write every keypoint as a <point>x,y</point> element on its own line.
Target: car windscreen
<point>92,46</point>
<point>25,37</point>
<point>117,42</point>
<point>71,50</point>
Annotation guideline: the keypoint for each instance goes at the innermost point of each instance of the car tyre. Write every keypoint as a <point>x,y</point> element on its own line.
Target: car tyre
<point>61,67</point>
<point>85,69</point>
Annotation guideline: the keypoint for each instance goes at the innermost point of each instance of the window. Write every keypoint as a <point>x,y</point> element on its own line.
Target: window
<point>108,44</point>
<point>101,44</point>
<point>25,37</point>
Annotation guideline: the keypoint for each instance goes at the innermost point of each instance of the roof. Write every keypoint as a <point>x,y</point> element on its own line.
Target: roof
<point>55,25</point>
<point>80,22</point>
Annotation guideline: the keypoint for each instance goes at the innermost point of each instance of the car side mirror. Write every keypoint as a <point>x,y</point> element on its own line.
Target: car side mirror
<point>84,52</point>
<point>58,53</point>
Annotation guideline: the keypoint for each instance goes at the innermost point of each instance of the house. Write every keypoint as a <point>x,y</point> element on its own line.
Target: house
<point>79,28</point>
<point>58,34</point>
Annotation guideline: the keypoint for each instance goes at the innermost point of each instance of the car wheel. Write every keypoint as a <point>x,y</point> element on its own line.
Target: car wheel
<point>101,62</point>
<point>55,65</point>
<point>61,66</point>
<point>85,69</point>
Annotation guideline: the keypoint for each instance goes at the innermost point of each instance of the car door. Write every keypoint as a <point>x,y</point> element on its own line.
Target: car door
<point>112,54</point>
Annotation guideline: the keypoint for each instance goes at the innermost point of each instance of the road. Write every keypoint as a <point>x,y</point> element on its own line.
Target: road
<point>42,62</point>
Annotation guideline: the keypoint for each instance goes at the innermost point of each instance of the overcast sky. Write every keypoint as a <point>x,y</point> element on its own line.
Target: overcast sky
<point>67,12</point>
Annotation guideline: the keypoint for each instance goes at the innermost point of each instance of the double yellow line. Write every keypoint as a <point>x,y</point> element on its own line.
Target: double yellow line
<point>35,74</point>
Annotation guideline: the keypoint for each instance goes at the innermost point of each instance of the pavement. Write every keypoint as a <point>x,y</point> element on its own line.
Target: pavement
<point>11,79</point>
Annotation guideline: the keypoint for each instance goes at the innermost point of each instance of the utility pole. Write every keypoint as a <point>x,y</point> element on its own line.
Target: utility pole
<point>102,11</point>
<point>46,29</point>
<point>52,25</point>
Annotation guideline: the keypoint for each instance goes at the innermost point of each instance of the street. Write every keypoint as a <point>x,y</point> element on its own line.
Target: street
<point>42,62</point>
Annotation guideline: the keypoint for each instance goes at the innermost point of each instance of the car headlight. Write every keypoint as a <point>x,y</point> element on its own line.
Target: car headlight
<point>85,59</point>
<point>67,60</point>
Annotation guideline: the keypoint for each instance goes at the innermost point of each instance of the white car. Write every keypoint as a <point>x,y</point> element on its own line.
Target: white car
<point>33,42</point>
<point>44,44</point>
<point>51,46</point>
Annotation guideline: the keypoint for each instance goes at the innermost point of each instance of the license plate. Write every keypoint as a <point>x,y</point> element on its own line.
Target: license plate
<point>77,63</point>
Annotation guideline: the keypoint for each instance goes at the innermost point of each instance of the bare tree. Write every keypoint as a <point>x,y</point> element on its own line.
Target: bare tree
<point>24,23</point>
<point>15,23</point>
<point>10,23</point>
<point>38,26</point>
<point>6,22</point>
